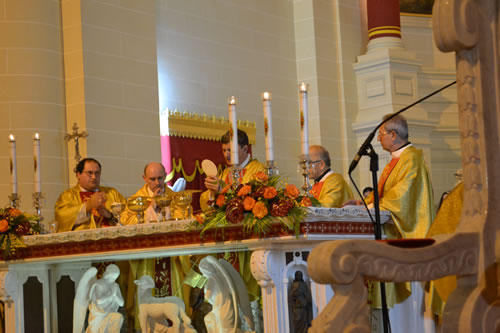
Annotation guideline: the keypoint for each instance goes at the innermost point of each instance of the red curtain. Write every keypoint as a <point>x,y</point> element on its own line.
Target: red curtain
<point>189,151</point>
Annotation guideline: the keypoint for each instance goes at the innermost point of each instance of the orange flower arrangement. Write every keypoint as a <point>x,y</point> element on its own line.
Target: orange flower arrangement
<point>13,225</point>
<point>257,205</point>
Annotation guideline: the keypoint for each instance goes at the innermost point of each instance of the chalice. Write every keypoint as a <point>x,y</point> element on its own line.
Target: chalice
<point>163,201</point>
<point>116,209</point>
<point>138,205</point>
<point>182,202</point>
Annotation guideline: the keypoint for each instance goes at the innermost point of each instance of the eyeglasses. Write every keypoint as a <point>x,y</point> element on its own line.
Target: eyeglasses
<point>313,162</point>
<point>92,173</point>
<point>381,134</point>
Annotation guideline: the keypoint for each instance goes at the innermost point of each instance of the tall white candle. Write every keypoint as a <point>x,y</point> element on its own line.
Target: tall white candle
<point>36,156</point>
<point>13,163</point>
<point>268,125</point>
<point>232,101</point>
<point>304,119</point>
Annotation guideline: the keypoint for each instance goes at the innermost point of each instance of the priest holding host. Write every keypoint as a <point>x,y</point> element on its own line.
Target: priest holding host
<point>87,204</point>
<point>248,167</point>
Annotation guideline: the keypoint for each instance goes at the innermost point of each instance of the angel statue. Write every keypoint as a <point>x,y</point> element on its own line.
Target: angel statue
<point>226,291</point>
<point>102,297</point>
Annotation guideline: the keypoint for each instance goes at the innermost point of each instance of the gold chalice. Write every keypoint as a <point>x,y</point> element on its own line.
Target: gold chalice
<point>163,201</point>
<point>116,209</point>
<point>182,203</point>
<point>138,205</point>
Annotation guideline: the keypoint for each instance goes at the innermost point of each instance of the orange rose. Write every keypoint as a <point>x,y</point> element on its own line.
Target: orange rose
<point>248,203</point>
<point>15,212</point>
<point>306,201</point>
<point>270,192</point>
<point>4,225</point>
<point>224,190</point>
<point>292,191</point>
<point>260,177</point>
<point>221,200</point>
<point>244,190</point>
<point>259,210</point>
<point>200,218</point>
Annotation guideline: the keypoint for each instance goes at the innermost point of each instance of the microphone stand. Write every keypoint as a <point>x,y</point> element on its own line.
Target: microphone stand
<point>367,149</point>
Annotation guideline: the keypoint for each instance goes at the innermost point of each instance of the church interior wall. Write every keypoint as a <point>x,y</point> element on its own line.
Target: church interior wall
<point>139,58</point>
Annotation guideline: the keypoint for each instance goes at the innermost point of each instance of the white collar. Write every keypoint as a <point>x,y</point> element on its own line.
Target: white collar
<point>84,190</point>
<point>245,162</point>
<point>397,153</point>
<point>326,175</point>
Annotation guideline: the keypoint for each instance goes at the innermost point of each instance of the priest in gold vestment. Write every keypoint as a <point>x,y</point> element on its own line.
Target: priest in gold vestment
<point>154,184</point>
<point>87,204</point>
<point>330,188</point>
<point>248,167</point>
<point>405,190</point>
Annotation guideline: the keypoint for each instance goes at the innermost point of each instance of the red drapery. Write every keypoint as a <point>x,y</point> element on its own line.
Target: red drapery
<point>190,151</point>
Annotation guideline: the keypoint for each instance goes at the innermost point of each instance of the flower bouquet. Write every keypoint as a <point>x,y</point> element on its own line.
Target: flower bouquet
<point>257,205</point>
<point>13,225</point>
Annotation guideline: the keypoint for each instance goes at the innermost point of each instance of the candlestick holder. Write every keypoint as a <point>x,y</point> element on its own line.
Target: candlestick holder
<point>235,175</point>
<point>37,203</point>
<point>14,198</point>
<point>304,164</point>
<point>272,168</point>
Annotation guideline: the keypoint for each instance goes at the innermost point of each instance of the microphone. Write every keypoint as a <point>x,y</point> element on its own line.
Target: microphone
<point>362,151</point>
<point>364,146</point>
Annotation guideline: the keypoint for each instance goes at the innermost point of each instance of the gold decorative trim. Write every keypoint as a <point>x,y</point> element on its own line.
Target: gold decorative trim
<point>193,125</point>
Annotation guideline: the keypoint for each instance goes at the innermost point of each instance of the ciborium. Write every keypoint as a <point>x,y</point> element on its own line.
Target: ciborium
<point>116,209</point>
<point>163,201</point>
<point>138,205</point>
<point>182,204</point>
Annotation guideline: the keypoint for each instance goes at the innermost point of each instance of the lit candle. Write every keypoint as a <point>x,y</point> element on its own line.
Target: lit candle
<point>13,163</point>
<point>36,156</point>
<point>268,125</point>
<point>232,101</point>
<point>304,122</point>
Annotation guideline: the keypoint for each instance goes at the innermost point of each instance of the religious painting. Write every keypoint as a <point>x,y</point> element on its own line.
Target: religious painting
<point>416,7</point>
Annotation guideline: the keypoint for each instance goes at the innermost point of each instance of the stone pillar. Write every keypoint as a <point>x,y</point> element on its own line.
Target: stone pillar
<point>387,81</point>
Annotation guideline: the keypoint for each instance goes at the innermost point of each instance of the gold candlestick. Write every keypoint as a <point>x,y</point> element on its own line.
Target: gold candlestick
<point>14,198</point>
<point>37,203</point>
<point>304,163</point>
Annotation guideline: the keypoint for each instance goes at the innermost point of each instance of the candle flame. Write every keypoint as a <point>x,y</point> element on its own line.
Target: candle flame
<point>11,137</point>
<point>303,87</point>
<point>232,100</point>
<point>266,96</point>
<point>37,136</point>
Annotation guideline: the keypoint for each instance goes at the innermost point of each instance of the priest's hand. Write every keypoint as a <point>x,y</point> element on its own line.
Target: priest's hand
<point>212,184</point>
<point>353,203</point>
<point>96,201</point>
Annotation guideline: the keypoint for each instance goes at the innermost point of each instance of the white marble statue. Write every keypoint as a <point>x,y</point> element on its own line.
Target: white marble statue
<point>102,297</point>
<point>154,311</point>
<point>226,291</point>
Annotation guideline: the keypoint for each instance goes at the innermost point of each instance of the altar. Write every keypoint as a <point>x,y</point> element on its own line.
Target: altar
<point>31,281</point>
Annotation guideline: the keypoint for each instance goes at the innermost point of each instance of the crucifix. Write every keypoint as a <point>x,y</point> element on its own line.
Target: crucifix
<point>76,136</point>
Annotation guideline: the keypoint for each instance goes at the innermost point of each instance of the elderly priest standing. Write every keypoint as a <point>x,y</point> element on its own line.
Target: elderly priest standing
<point>330,188</point>
<point>87,204</point>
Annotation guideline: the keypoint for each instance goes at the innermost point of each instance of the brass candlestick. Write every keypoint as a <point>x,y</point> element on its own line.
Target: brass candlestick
<point>304,163</point>
<point>272,168</point>
<point>37,203</point>
<point>235,174</point>
<point>14,198</point>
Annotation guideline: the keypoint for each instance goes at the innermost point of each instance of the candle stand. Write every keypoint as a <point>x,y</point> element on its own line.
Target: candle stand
<point>304,163</point>
<point>235,175</point>
<point>37,203</point>
<point>272,168</point>
<point>14,198</point>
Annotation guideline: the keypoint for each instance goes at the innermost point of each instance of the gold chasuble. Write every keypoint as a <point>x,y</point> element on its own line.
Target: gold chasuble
<point>247,173</point>
<point>407,195</point>
<point>332,192</point>
<point>446,222</point>
<point>70,202</point>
